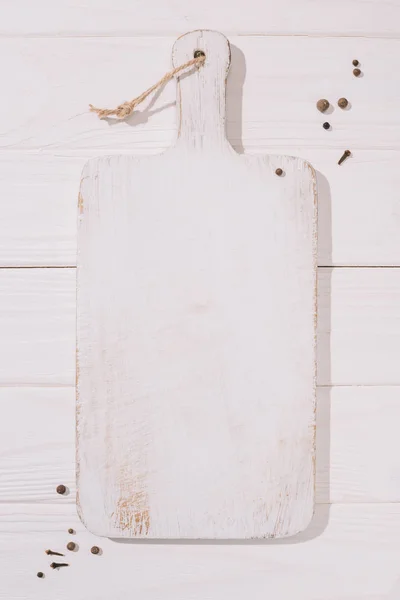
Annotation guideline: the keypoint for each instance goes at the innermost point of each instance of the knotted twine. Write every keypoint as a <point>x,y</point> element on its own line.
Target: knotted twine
<point>126,108</point>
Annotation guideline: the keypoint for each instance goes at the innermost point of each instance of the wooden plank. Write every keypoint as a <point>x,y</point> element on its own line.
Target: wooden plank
<point>124,18</point>
<point>357,433</point>
<point>38,225</point>
<point>358,208</point>
<point>350,552</point>
<point>175,310</point>
<point>358,326</point>
<point>40,453</point>
<point>37,324</point>
<point>358,322</point>
<point>269,101</point>
<point>53,133</point>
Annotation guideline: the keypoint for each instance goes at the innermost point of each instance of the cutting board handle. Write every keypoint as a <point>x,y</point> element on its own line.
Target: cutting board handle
<point>201,93</point>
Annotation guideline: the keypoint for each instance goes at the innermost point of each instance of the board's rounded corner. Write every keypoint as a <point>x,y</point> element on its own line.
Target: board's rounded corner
<point>307,165</point>
<point>89,526</point>
<point>310,167</point>
<point>314,182</point>
<point>313,172</point>
<point>86,168</point>
<point>306,523</point>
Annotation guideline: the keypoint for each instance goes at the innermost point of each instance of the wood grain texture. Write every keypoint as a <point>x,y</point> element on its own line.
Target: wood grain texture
<point>356,557</point>
<point>130,18</point>
<point>350,552</point>
<point>38,224</point>
<point>37,324</point>
<point>270,109</point>
<point>40,453</point>
<point>357,438</point>
<point>270,101</point>
<point>188,426</point>
<point>358,334</point>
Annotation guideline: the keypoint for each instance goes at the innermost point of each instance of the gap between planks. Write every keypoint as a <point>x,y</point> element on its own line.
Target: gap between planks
<point>10,267</point>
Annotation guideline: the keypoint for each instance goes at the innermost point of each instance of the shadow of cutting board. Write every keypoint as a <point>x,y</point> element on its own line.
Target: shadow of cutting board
<point>196,331</point>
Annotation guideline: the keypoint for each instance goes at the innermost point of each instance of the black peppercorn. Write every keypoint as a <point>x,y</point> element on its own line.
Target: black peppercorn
<point>61,489</point>
<point>326,125</point>
<point>70,530</point>
<point>279,172</point>
<point>95,550</point>
<point>356,62</point>
<point>40,575</point>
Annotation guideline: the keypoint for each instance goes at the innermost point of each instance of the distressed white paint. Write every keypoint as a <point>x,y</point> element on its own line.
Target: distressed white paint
<point>47,83</point>
<point>351,552</point>
<point>40,453</point>
<point>270,109</point>
<point>358,326</point>
<point>38,224</point>
<point>196,331</point>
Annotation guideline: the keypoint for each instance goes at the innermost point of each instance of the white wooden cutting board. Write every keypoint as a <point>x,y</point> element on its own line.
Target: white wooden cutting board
<point>196,331</point>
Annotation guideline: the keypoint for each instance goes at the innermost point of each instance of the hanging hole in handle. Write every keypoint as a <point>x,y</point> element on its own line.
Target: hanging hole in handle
<point>198,53</point>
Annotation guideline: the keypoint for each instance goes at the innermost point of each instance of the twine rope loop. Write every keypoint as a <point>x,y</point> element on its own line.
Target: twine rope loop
<point>126,108</point>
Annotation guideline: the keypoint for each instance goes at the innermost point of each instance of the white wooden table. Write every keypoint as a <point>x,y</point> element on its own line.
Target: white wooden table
<point>56,57</point>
